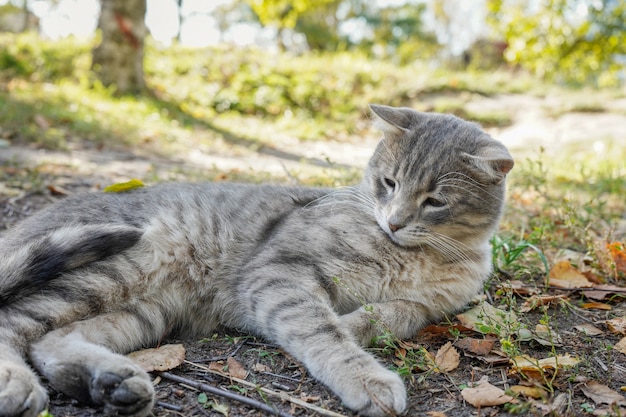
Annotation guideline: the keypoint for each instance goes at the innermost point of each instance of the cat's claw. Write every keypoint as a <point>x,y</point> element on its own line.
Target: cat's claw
<point>123,395</point>
<point>20,392</point>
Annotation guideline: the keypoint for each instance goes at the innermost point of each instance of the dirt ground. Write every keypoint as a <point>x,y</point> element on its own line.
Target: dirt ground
<point>289,388</point>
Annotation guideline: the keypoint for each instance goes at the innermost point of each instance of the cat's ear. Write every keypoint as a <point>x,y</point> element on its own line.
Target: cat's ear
<point>392,119</point>
<point>492,163</point>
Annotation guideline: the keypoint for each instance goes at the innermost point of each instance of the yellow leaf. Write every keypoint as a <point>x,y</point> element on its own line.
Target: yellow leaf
<point>618,254</point>
<point>447,358</point>
<point>122,187</point>
<point>594,305</point>
<point>532,392</point>
<point>526,363</point>
<point>564,275</point>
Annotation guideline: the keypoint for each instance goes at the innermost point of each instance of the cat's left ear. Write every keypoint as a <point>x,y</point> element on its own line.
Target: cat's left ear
<point>493,163</point>
<point>393,119</point>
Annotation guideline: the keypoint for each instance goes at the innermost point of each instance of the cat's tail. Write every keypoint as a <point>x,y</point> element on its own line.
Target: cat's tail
<point>25,267</point>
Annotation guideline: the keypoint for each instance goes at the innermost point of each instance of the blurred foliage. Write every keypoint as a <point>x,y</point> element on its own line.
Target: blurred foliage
<point>391,31</point>
<point>28,55</point>
<point>572,41</point>
<point>251,93</point>
<point>283,13</point>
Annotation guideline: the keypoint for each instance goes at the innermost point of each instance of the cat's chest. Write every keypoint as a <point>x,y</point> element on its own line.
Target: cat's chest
<point>414,276</point>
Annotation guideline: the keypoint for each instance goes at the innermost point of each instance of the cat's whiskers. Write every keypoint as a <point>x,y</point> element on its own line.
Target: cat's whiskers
<point>447,246</point>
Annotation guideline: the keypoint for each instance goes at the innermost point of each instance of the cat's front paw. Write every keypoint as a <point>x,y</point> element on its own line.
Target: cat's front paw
<point>20,391</point>
<point>377,394</point>
<point>126,391</point>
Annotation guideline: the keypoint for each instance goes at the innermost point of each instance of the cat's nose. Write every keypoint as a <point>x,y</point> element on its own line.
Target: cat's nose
<point>395,227</point>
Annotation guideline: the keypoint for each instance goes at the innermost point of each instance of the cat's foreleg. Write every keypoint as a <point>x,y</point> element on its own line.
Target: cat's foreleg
<point>401,318</point>
<point>306,326</point>
<point>79,360</point>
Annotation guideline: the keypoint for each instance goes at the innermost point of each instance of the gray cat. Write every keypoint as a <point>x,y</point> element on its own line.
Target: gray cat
<point>319,272</point>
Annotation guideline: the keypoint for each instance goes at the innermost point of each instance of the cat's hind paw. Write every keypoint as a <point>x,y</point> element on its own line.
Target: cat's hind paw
<point>126,394</point>
<point>21,394</point>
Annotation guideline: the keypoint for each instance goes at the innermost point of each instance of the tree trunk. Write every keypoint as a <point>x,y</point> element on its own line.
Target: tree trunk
<point>118,60</point>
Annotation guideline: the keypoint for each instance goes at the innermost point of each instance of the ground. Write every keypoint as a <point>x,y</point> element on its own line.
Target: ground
<point>33,178</point>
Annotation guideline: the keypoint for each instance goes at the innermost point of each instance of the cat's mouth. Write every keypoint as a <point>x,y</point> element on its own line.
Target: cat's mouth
<point>397,235</point>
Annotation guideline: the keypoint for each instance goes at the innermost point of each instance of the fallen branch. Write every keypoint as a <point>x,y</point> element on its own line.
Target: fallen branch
<point>282,395</point>
<point>226,394</point>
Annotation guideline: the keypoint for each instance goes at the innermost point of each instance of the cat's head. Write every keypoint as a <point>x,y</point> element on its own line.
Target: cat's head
<point>435,177</point>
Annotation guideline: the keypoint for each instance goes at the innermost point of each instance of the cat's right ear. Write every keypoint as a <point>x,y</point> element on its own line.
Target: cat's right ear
<point>392,119</point>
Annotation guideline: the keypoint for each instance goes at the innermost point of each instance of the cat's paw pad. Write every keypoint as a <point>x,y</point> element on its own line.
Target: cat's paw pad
<point>129,393</point>
<point>20,392</point>
<point>381,394</point>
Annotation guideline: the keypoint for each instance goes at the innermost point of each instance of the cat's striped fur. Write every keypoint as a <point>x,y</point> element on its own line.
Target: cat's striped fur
<point>102,274</point>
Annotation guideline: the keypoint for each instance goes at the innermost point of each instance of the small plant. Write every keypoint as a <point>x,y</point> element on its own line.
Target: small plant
<point>507,251</point>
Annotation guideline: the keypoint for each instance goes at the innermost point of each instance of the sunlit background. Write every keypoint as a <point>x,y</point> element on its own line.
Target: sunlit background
<point>196,25</point>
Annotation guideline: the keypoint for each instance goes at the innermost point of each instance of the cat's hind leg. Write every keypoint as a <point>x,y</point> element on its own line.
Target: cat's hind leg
<point>80,360</point>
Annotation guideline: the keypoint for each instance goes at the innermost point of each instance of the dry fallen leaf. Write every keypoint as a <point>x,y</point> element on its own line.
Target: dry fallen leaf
<point>617,325</point>
<point>617,250</point>
<point>163,358</point>
<point>232,368</point>
<point>475,346</point>
<point>594,305</point>
<point>436,414</point>
<point>484,318</point>
<point>526,364</point>
<point>564,275</point>
<point>601,394</point>
<point>447,358</point>
<point>433,331</point>
<point>483,394</point>
<point>531,392</point>
<point>541,300</point>
<point>259,367</point>
<point>600,292</point>
<point>519,287</point>
<point>588,329</point>
<point>236,369</point>
<point>621,346</point>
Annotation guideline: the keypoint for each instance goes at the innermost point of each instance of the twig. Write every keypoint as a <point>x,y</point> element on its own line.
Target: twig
<point>226,394</point>
<point>282,395</point>
<point>169,406</point>
<point>288,378</point>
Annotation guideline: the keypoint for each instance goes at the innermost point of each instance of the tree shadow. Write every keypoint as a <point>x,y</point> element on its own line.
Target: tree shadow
<point>188,120</point>
<point>48,123</point>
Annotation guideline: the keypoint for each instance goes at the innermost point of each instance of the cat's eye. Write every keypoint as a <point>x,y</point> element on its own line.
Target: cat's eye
<point>434,202</point>
<point>389,183</point>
